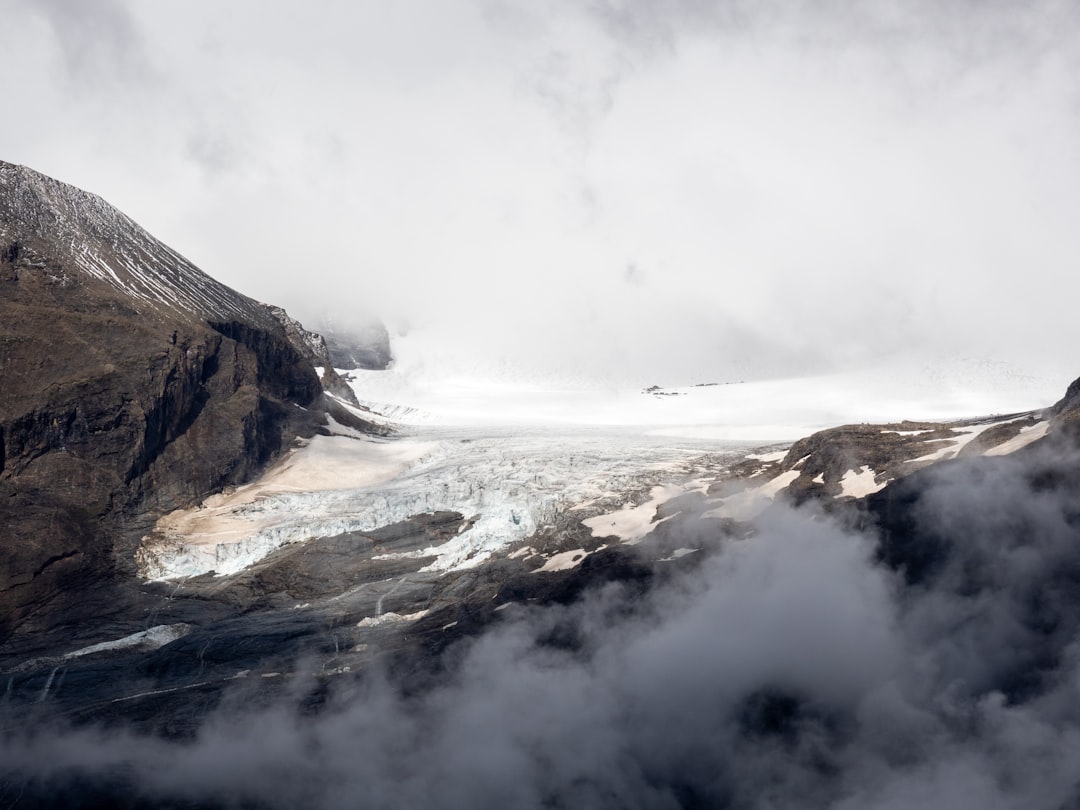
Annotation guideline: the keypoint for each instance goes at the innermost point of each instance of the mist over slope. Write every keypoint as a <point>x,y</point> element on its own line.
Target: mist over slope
<point>922,651</point>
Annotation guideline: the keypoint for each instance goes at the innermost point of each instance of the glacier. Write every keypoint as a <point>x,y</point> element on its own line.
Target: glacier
<point>508,482</point>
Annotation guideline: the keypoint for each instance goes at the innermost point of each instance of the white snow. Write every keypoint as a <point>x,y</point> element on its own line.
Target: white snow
<point>426,386</point>
<point>678,553</point>
<point>859,484</point>
<point>631,523</point>
<point>391,618</point>
<point>750,502</point>
<point>958,442</point>
<point>1026,436</point>
<point>778,455</point>
<point>773,487</point>
<point>564,561</point>
<point>149,639</point>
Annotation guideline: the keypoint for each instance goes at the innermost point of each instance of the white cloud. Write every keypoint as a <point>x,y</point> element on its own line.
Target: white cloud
<point>796,187</point>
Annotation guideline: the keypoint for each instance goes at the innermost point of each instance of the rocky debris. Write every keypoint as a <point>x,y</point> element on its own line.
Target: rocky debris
<point>657,391</point>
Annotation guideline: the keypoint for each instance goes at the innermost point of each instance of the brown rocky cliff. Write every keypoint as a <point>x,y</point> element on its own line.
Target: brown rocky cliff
<point>126,389</point>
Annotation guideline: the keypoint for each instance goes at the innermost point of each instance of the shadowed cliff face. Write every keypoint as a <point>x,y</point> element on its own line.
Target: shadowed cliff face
<point>130,383</point>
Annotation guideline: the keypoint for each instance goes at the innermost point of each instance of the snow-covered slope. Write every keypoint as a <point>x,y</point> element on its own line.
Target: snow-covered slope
<point>427,385</point>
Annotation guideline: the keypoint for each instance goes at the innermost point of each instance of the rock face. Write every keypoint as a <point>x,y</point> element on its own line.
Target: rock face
<point>130,383</point>
<point>1066,412</point>
<point>365,346</point>
<point>313,347</point>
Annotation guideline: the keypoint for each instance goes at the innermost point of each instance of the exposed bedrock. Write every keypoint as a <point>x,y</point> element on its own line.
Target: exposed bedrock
<point>119,401</point>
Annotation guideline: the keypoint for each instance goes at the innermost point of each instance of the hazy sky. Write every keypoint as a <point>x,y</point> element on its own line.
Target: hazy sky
<point>687,189</point>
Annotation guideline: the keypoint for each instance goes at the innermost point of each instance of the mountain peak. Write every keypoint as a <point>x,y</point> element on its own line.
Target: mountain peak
<point>132,383</point>
<point>77,238</point>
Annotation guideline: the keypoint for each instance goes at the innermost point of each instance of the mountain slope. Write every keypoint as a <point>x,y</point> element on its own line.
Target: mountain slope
<point>130,383</point>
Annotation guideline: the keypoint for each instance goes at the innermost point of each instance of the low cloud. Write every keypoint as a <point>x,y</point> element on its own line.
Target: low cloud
<point>99,42</point>
<point>792,669</point>
<point>804,186</point>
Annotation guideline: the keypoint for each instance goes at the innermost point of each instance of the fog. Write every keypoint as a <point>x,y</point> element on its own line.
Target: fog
<point>812,665</point>
<point>673,190</point>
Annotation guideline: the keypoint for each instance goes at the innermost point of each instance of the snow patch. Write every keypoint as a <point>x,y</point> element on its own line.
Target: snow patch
<point>149,639</point>
<point>752,501</point>
<point>777,455</point>
<point>859,484</point>
<point>391,618</point>
<point>565,560</point>
<point>631,523</point>
<point>958,442</point>
<point>1026,436</point>
<point>678,553</point>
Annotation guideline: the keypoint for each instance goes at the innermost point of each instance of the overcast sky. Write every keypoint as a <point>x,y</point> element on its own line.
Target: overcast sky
<point>692,189</point>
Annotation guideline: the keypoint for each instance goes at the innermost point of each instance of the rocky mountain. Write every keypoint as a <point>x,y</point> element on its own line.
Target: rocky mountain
<point>366,346</point>
<point>222,586</point>
<point>131,383</point>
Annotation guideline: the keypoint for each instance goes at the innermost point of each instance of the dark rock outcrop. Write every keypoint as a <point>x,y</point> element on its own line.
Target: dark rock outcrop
<point>1065,414</point>
<point>366,346</point>
<point>887,452</point>
<point>313,347</point>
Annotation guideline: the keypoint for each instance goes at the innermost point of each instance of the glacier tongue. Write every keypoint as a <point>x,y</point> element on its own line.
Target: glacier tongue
<point>508,482</point>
